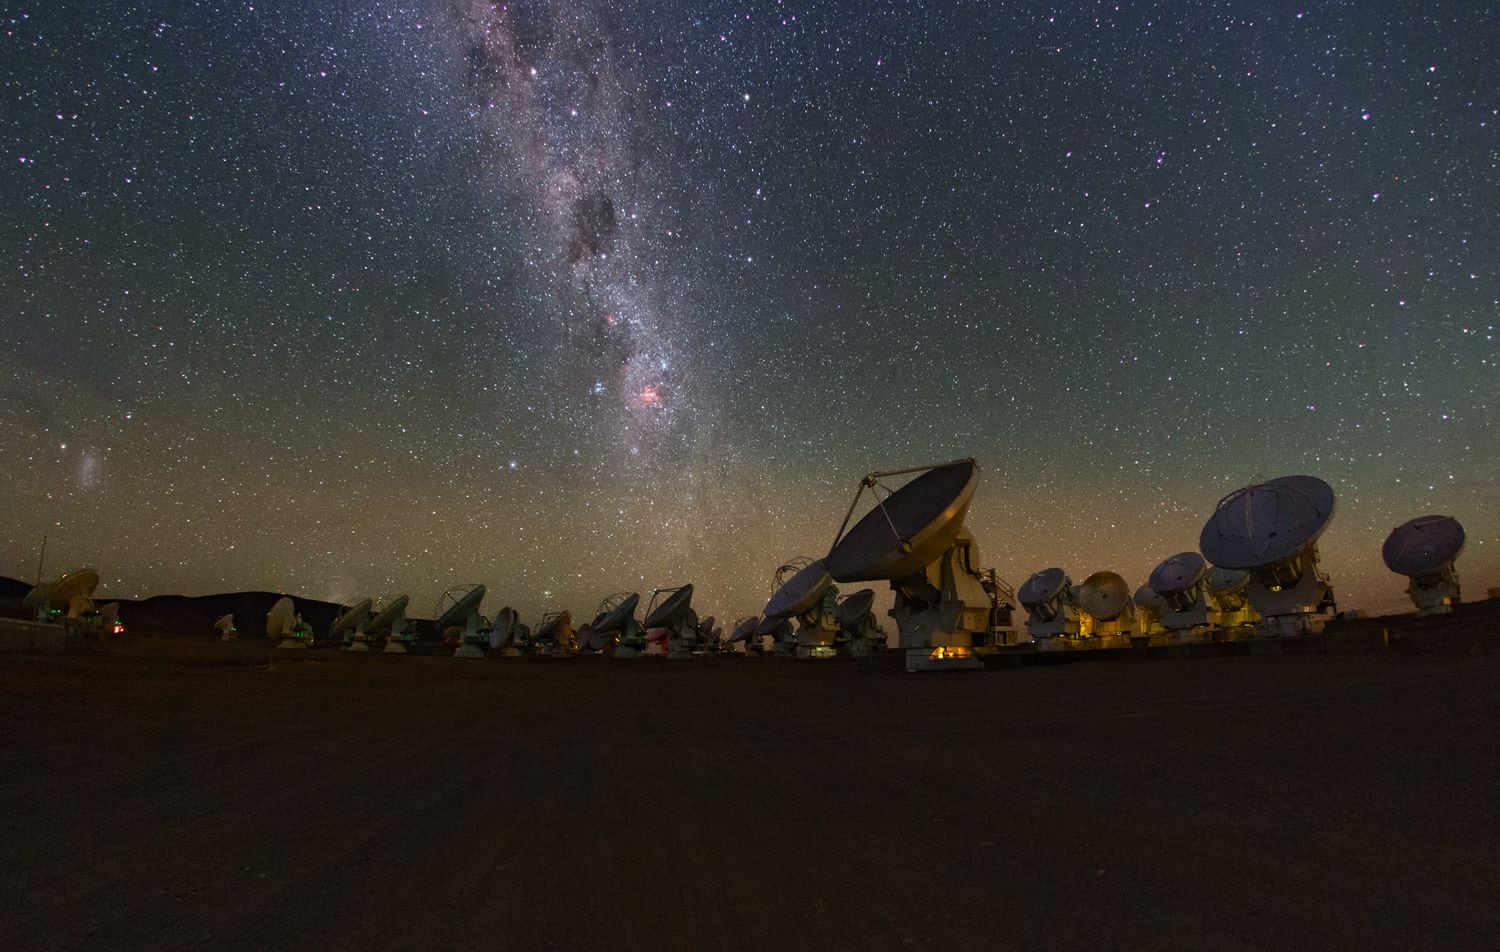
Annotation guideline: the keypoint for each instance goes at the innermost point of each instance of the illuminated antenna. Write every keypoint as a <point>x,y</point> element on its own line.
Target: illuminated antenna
<point>1424,550</point>
<point>1271,530</point>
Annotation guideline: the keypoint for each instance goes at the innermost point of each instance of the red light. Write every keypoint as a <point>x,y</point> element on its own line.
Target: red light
<point>650,396</point>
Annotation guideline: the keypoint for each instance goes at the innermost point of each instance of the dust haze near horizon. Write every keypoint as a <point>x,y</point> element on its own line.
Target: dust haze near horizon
<point>573,297</point>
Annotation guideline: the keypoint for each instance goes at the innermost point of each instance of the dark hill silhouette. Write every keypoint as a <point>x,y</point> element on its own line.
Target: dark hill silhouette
<point>194,616</point>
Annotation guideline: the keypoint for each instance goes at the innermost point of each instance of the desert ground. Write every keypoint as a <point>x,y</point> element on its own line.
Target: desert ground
<point>200,799</point>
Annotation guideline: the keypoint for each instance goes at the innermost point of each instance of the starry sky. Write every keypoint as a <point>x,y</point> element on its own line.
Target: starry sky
<point>362,297</point>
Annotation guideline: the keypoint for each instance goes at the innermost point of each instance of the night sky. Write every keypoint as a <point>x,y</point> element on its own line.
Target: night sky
<point>356,297</point>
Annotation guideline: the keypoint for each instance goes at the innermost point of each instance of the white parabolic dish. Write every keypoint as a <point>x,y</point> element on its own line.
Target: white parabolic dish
<point>615,618</point>
<point>281,618</point>
<point>1147,599</point>
<point>909,529</point>
<point>744,630</point>
<point>1042,587</point>
<point>458,612</point>
<point>855,607</point>
<point>1104,595</point>
<point>1178,573</point>
<point>1423,546</point>
<point>387,616</point>
<point>671,611</point>
<point>1267,523</point>
<point>801,592</point>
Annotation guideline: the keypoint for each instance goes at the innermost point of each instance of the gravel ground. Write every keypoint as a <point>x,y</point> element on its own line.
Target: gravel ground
<point>380,802</point>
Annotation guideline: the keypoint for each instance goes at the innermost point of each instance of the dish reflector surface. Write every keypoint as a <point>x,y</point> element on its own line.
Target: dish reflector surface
<point>801,592</point>
<point>387,616</point>
<point>1042,587</point>
<point>672,610</point>
<point>1267,523</point>
<point>1178,573</point>
<point>909,529</point>
<point>348,619</point>
<point>1103,595</point>
<point>855,607</point>
<point>744,630</point>
<point>459,610</point>
<point>281,617</point>
<point>549,625</point>
<point>616,617</point>
<point>1423,545</point>
<point>1227,581</point>
<point>1147,598</point>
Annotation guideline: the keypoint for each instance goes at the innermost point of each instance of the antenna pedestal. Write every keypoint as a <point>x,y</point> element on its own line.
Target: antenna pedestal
<point>818,628</point>
<point>300,636</point>
<point>1186,624</point>
<point>475,638</point>
<point>632,640</point>
<point>360,640</point>
<point>401,638</point>
<point>683,639</point>
<point>1435,594</point>
<point>944,612</point>
<point>783,639</point>
<point>1289,610</point>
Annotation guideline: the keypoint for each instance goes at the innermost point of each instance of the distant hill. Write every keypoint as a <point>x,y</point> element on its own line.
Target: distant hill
<point>194,616</point>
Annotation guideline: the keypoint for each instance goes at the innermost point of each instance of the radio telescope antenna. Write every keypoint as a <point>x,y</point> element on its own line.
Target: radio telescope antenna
<point>1052,611</point>
<point>70,596</point>
<point>285,626</point>
<point>351,625</point>
<point>744,631</point>
<point>553,635</point>
<point>457,607</point>
<point>914,538</point>
<point>1424,550</point>
<point>674,614</point>
<point>1271,530</point>
<point>1105,598</point>
<point>392,618</point>
<point>510,635</point>
<point>1148,608</point>
<point>1181,581</point>
<point>618,622</point>
<point>857,622</point>
<point>810,596</point>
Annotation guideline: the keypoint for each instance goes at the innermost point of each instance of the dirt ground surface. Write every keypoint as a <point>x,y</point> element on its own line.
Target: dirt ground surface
<point>382,802</point>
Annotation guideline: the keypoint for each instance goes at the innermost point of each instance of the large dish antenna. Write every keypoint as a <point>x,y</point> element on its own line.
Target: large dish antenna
<point>1423,549</point>
<point>1104,596</point>
<point>745,630</point>
<point>351,618</point>
<point>281,619</point>
<point>1178,573</point>
<point>1042,589</point>
<point>673,609</point>
<point>853,609</point>
<point>71,594</point>
<point>1423,546</point>
<point>1270,530</point>
<point>554,633</point>
<point>1226,582</point>
<point>386,617</point>
<point>908,529</point>
<point>1267,523</point>
<point>801,593</point>
<point>392,617</point>
<point>614,619</point>
<point>1148,600</point>
<point>463,611</point>
<point>458,609</point>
